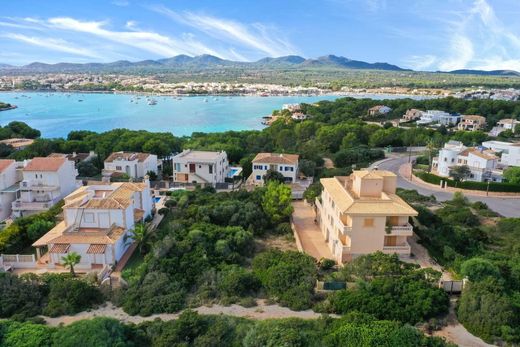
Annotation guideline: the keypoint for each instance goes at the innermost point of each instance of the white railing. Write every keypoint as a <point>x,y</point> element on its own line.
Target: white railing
<point>403,230</point>
<point>401,249</point>
<point>35,205</point>
<point>18,260</point>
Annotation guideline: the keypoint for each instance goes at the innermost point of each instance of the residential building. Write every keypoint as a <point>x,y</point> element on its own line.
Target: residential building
<point>45,181</point>
<point>75,157</point>
<point>362,214</point>
<point>299,116</point>
<point>18,143</point>
<point>286,164</point>
<point>504,124</point>
<point>98,223</point>
<point>439,117</point>
<point>9,186</point>
<point>482,162</point>
<point>201,167</point>
<point>133,164</point>
<point>412,114</point>
<point>472,123</point>
<point>509,151</point>
<point>379,110</point>
<point>292,107</point>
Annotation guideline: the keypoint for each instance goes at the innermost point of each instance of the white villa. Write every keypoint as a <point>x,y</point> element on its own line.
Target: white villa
<point>379,110</point>
<point>482,162</point>
<point>286,164</point>
<point>439,117</point>
<point>45,181</point>
<point>510,152</point>
<point>97,224</point>
<point>9,187</point>
<point>504,124</point>
<point>134,164</point>
<point>201,167</point>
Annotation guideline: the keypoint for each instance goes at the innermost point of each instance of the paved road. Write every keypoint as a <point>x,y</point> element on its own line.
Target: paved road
<point>507,207</point>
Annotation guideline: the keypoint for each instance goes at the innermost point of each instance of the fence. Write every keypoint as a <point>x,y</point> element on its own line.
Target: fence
<point>452,287</point>
<point>24,261</point>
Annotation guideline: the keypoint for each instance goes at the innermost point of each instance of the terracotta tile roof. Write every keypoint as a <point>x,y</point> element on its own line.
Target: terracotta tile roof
<point>5,163</point>
<point>372,174</point>
<point>58,230</point>
<point>480,119</point>
<point>70,156</point>
<point>96,249</point>
<point>117,196</point>
<point>60,248</point>
<point>18,142</point>
<point>44,164</point>
<point>478,153</point>
<point>276,158</point>
<point>127,156</point>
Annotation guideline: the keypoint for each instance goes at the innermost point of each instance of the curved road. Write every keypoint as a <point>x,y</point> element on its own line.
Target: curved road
<point>507,207</point>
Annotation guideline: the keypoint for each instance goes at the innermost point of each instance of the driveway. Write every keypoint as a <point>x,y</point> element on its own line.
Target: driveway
<point>308,232</point>
<point>507,207</point>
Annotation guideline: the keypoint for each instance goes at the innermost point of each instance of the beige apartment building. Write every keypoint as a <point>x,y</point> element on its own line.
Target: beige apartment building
<point>361,214</point>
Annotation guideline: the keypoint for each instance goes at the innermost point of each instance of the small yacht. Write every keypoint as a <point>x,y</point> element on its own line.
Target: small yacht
<point>152,102</point>
<point>206,100</point>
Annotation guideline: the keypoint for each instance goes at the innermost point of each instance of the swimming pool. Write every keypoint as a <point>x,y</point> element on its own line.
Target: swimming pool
<point>156,199</point>
<point>234,171</point>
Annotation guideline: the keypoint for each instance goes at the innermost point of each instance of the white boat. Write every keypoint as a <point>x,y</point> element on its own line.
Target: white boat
<point>152,102</point>
<point>206,100</point>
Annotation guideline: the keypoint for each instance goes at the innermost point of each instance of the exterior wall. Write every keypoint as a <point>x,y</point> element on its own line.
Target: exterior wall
<point>134,168</point>
<point>87,260</point>
<point>206,171</point>
<point>7,178</point>
<point>510,152</point>
<point>447,158</point>
<point>290,172</point>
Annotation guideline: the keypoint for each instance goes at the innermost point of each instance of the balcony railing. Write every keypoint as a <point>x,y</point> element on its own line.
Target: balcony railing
<point>399,249</point>
<point>401,230</point>
<point>18,205</point>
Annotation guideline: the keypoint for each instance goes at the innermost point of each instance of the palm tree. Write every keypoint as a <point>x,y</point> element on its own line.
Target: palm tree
<point>71,260</point>
<point>430,146</point>
<point>141,235</point>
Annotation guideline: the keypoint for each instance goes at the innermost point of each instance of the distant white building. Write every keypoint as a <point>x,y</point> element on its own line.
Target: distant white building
<point>472,123</point>
<point>200,167</point>
<point>9,186</point>
<point>286,164</point>
<point>504,124</point>
<point>482,163</point>
<point>134,164</point>
<point>440,117</point>
<point>379,110</point>
<point>45,181</point>
<point>412,114</point>
<point>98,223</point>
<point>509,152</point>
<point>299,116</point>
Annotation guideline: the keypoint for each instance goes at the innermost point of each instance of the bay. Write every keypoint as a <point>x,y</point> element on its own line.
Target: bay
<point>56,114</point>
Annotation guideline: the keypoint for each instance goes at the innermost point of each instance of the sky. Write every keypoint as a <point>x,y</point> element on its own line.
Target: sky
<point>419,34</point>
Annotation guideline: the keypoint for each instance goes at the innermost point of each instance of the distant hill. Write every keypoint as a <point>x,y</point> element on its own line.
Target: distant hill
<point>207,63</point>
<point>486,73</point>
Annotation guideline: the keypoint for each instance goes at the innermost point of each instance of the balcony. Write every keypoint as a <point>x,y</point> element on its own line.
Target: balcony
<point>31,206</point>
<point>32,185</point>
<point>403,248</point>
<point>318,204</point>
<point>400,230</point>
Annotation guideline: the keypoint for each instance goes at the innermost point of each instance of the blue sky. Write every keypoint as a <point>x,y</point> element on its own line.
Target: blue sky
<point>419,34</point>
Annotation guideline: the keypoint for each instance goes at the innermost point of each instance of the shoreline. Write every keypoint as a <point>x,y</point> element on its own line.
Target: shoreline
<point>12,107</point>
<point>162,94</point>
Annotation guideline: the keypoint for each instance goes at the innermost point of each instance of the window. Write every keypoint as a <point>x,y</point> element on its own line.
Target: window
<point>119,168</point>
<point>211,169</point>
<point>265,167</point>
<point>36,175</point>
<point>88,217</point>
<point>292,169</point>
<point>177,167</point>
<point>445,159</point>
<point>258,178</point>
<point>368,222</point>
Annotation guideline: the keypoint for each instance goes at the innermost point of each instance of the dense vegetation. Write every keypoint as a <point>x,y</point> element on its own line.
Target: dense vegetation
<point>388,288</point>
<point>49,294</point>
<point>192,329</point>
<point>203,247</point>
<point>469,240</point>
<point>22,232</point>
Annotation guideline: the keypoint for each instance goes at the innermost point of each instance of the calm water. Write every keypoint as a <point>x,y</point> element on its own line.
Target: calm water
<point>56,114</point>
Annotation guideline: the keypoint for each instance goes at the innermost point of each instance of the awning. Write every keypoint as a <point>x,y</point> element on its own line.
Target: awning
<point>60,248</point>
<point>96,249</point>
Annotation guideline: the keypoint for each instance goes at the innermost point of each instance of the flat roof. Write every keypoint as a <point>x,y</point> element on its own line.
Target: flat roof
<point>198,155</point>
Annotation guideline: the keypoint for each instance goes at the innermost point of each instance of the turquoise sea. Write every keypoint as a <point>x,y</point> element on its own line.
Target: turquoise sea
<point>56,114</point>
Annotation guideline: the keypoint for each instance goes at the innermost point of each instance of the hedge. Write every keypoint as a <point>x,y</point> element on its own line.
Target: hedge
<point>493,186</point>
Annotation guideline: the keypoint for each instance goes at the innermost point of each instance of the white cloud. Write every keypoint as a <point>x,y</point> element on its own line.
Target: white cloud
<point>145,40</point>
<point>256,36</point>
<point>421,62</point>
<point>52,44</point>
<point>476,39</point>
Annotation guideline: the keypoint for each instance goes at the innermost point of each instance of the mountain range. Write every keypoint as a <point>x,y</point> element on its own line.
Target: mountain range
<point>208,62</point>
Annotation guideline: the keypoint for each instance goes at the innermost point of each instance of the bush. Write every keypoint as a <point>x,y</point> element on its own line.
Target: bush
<point>491,186</point>
<point>478,269</point>
<point>235,281</point>
<point>288,277</point>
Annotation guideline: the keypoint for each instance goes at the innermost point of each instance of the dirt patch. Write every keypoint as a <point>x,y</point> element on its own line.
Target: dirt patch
<point>280,242</point>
